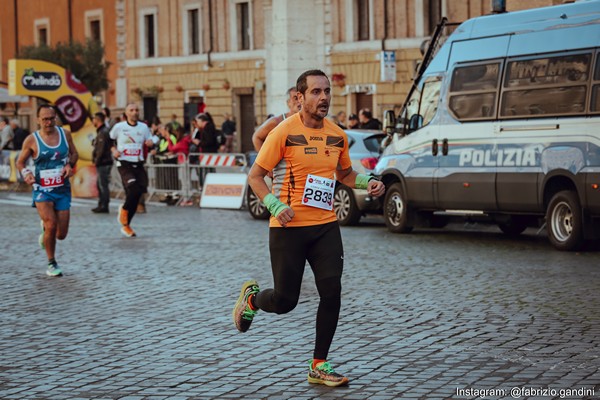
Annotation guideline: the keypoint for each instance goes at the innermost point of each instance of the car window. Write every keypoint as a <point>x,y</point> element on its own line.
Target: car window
<point>373,143</point>
<point>351,141</point>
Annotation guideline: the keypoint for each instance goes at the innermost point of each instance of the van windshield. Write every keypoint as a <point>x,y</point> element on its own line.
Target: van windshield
<point>422,105</point>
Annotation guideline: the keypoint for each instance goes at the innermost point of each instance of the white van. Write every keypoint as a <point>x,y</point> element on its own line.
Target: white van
<point>504,122</point>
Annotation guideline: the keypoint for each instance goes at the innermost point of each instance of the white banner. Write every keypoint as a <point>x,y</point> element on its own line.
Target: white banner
<point>223,190</point>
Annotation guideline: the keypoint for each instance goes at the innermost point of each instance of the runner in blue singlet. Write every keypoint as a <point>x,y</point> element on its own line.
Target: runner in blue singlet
<point>54,156</point>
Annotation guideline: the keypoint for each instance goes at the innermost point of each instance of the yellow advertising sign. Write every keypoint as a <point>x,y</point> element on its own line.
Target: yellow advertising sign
<point>73,101</point>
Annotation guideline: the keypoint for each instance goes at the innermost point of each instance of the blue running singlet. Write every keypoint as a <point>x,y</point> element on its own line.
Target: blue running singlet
<point>49,164</point>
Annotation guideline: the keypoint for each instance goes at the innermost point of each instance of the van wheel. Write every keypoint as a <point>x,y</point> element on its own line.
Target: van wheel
<point>395,210</point>
<point>564,221</point>
<point>344,205</point>
<point>513,226</point>
<point>256,208</point>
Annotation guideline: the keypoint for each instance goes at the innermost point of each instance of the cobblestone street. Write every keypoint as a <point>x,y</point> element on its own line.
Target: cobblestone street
<point>437,314</point>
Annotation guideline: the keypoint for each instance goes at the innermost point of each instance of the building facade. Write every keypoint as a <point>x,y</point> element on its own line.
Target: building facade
<point>240,56</point>
<point>37,22</point>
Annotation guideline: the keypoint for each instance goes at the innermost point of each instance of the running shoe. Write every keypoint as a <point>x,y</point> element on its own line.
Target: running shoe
<point>324,374</point>
<point>41,237</point>
<point>127,231</point>
<point>242,313</point>
<point>122,216</point>
<point>53,270</point>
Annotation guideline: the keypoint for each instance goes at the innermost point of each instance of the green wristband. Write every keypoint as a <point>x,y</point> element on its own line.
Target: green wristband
<point>274,206</point>
<point>362,181</point>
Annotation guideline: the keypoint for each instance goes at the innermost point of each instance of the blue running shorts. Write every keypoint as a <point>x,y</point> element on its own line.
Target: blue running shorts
<point>62,201</point>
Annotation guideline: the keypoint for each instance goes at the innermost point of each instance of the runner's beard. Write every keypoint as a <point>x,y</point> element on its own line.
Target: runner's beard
<point>321,109</point>
<point>317,117</point>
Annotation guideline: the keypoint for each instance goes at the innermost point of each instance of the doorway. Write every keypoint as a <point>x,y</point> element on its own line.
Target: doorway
<point>150,108</point>
<point>191,109</point>
<point>363,100</point>
<point>243,109</point>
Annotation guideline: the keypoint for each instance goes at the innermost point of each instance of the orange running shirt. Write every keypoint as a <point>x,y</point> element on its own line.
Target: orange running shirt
<point>293,151</point>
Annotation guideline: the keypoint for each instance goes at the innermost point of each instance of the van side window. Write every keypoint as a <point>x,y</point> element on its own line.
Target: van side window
<point>595,105</point>
<point>548,86</point>
<point>473,91</point>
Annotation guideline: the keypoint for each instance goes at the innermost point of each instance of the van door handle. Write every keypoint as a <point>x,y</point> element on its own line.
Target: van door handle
<point>434,147</point>
<point>445,147</point>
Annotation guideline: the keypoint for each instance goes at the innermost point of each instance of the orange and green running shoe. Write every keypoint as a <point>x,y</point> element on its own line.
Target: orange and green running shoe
<point>324,374</point>
<point>243,314</point>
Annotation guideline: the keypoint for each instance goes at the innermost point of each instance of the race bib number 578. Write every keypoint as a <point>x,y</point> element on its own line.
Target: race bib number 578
<point>318,192</point>
<point>50,178</point>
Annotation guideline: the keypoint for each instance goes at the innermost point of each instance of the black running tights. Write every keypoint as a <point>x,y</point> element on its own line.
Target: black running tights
<point>290,248</point>
<point>135,182</point>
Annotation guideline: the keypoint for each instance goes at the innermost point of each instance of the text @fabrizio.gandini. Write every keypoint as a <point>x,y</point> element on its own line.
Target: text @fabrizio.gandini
<point>518,392</point>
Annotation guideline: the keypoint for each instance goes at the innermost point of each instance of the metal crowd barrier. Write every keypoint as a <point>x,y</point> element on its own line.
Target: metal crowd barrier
<point>167,177</point>
<point>181,177</point>
<point>200,164</point>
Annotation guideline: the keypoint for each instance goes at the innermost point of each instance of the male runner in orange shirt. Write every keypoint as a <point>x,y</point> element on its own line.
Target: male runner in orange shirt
<point>307,154</point>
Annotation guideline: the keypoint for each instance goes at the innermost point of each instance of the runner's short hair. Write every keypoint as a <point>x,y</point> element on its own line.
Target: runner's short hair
<point>301,84</point>
<point>42,106</point>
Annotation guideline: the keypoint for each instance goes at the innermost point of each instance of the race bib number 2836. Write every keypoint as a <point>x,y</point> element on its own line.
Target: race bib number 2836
<point>318,192</point>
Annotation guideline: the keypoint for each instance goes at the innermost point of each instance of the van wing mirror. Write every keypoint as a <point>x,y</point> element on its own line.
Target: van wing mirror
<point>415,122</point>
<point>389,122</point>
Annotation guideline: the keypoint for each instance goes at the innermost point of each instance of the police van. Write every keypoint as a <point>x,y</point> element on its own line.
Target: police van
<point>503,123</point>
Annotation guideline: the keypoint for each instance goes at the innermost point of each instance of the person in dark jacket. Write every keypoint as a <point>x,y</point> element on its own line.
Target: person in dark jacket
<point>103,160</point>
<point>20,134</point>
<point>208,133</point>
<point>353,122</point>
<point>367,121</point>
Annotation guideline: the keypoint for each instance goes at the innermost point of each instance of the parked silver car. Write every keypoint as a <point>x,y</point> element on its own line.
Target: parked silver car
<point>349,204</point>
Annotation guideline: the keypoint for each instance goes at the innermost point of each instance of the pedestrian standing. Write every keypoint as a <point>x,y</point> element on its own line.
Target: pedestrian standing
<point>130,136</point>
<point>173,125</point>
<point>228,131</point>
<point>54,156</point>
<point>19,134</point>
<point>108,121</point>
<point>367,121</point>
<point>353,122</point>
<point>208,133</point>
<point>102,158</point>
<point>6,135</point>
<point>307,153</point>
<point>341,119</point>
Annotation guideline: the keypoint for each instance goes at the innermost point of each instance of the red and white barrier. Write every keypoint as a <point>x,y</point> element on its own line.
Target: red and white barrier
<point>201,164</point>
<point>217,160</point>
